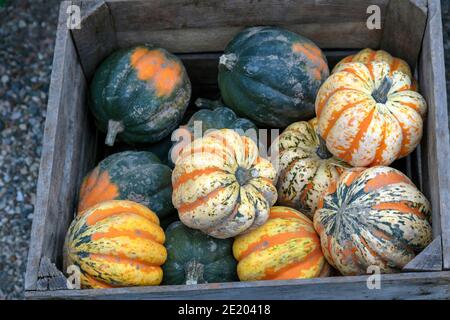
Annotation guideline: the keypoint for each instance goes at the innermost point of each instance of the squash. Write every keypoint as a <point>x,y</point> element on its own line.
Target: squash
<point>221,185</point>
<point>271,76</point>
<point>213,115</point>
<point>372,217</point>
<point>367,55</point>
<point>368,116</point>
<point>306,168</point>
<point>139,94</point>
<point>130,175</point>
<point>285,247</point>
<point>116,243</point>
<point>194,257</point>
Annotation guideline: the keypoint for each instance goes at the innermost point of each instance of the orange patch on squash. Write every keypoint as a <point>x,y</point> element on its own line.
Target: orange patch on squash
<point>140,265</point>
<point>102,213</point>
<point>94,283</point>
<point>312,53</point>
<point>200,201</point>
<point>132,234</point>
<point>325,100</point>
<point>379,153</point>
<point>96,188</point>
<point>194,174</point>
<point>401,206</point>
<point>286,212</point>
<point>384,179</point>
<point>155,67</point>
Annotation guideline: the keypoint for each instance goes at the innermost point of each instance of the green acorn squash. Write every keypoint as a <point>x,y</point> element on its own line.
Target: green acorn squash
<point>194,257</point>
<point>139,94</point>
<point>271,75</point>
<point>130,175</point>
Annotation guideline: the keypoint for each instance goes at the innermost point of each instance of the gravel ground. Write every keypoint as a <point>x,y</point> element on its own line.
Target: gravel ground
<point>27,31</point>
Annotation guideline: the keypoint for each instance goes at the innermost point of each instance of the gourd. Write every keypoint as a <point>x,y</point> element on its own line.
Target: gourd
<point>285,247</point>
<point>369,116</point>
<point>130,175</point>
<point>372,217</point>
<point>222,186</point>
<point>271,76</point>
<point>212,115</point>
<point>194,257</point>
<point>139,94</point>
<point>306,168</point>
<point>116,243</point>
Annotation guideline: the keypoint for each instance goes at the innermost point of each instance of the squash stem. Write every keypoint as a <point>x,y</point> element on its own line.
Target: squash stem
<point>380,94</point>
<point>194,272</point>
<point>322,150</point>
<point>208,104</point>
<point>114,128</point>
<point>228,60</point>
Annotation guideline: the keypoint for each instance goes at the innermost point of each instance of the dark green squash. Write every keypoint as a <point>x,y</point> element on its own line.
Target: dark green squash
<point>271,76</point>
<point>130,175</point>
<point>139,94</point>
<point>194,257</point>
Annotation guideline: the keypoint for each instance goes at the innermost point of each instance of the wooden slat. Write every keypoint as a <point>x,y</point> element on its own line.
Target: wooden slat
<point>436,147</point>
<point>49,277</point>
<point>96,38</point>
<point>430,259</point>
<point>428,285</point>
<point>403,29</point>
<point>61,162</point>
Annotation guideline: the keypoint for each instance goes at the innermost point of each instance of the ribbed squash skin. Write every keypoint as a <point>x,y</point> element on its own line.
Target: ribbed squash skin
<point>194,257</point>
<point>130,175</point>
<point>271,75</point>
<point>144,89</point>
<point>372,216</point>
<point>117,243</point>
<point>368,55</point>
<point>285,247</point>
<point>222,186</point>
<point>305,168</point>
<point>360,130</point>
<point>213,115</point>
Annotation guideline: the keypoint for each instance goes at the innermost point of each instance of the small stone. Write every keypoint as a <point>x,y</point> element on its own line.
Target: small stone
<point>5,79</point>
<point>22,24</point>
<point>19,196</point>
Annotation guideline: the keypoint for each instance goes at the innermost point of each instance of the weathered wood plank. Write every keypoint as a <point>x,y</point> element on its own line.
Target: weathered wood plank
<point>430,259</point>
<point>49,277</point>
<point>96,38</point>
<point>60,161</point>
<point>435,145</point>
<point>345,35</point>
<point>403,29</point>
<point>427,285</point>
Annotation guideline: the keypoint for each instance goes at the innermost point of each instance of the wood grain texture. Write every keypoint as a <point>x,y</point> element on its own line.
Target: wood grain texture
<point>96,38</point>
<point>403,29</point>
<point>430,259</point>
<point>427,285</point>
<point>435,144</point>
<point>49,277</point>
<point>62,164</point>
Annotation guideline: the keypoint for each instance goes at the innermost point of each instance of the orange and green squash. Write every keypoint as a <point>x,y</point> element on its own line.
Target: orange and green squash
<point>305,168</point>
<point>369,116</point>
<point>271,76</point>
<point>372,217</point>
<point>222,186</point>
<point>285,247</point>
<point>194,257</point>
<point>116,243</point>
<point>130,175</point>
<point>139,94</point>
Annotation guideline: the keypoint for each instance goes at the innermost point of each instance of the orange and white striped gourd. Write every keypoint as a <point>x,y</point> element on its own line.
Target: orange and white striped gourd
<point>222,186</point>
<point>306,168</point>
<point>285,247</point>
<point>372,217</point>
<point>117,243</point>
<point>369,116</point>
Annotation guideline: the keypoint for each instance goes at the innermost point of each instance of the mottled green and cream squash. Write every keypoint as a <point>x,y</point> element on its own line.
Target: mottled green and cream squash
<point>372,217</point>
<point>139,94</point>
<point>305,168</point>
<point>271,75</point>
<point>222,186</point>
<point>368,55</point>
<point>212,115</point>
<point>285,247</point>
<point>369,116</point>
<point>194,257</point>
<point>130,175</point>
<point>117,243</point>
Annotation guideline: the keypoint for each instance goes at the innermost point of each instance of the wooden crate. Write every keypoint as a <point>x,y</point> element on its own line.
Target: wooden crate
<point>198,31</point>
